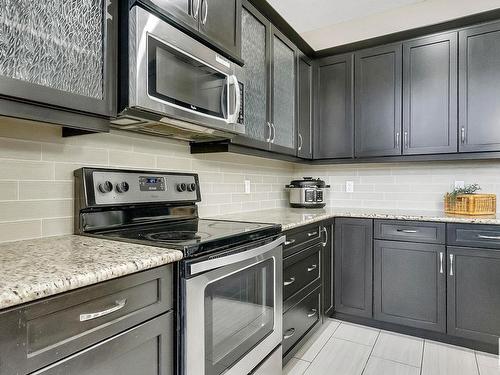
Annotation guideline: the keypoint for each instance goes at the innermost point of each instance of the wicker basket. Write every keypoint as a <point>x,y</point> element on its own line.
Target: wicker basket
<point>470,204</point>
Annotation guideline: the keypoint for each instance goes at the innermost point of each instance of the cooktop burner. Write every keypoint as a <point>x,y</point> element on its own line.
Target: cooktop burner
<point>176,236</point>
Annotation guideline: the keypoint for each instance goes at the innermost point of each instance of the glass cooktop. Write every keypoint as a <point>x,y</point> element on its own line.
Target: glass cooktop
<point>194,236</point>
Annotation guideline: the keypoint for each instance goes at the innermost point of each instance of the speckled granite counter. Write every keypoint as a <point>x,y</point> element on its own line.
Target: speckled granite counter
<point>293,217</point>
<point>34,269</point>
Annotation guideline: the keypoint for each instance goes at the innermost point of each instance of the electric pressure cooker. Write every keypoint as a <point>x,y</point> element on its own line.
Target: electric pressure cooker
<point>308,193</point>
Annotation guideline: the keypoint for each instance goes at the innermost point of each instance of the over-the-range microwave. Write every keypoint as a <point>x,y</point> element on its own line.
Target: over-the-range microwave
<point>175,86</point>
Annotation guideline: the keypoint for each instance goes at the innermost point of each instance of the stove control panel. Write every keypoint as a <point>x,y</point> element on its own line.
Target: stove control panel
<point>122,187</point>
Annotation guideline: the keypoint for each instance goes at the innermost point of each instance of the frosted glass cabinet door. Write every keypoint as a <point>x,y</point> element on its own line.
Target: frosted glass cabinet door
<point>59,52</point>
<point>284,92</point>
<point>255,53</point>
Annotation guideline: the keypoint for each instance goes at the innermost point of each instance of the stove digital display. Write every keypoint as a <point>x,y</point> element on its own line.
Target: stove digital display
<point>151,183</point>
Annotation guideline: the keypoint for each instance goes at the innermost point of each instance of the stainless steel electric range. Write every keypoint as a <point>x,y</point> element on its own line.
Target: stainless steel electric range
<point>229,297</point>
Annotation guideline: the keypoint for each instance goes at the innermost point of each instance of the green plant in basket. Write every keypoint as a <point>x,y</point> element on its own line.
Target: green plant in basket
<point>467,189</point>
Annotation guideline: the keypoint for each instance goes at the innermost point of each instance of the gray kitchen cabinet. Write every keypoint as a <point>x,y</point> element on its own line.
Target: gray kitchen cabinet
<point>410,284</point>
<point>283,93</point>
<point>59,59</point>
<point>305,104</point>
<point>430,95</point>
<point>145,349</point>
<point>473,297</point>
<point>378,93</point>
<point>479,88</point>
<point>327,272</point>
<point>183,11</point>
<point>353,266</point>
<point>335,116</point>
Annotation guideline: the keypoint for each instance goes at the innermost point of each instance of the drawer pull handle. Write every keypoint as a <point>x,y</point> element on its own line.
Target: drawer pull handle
<point>310,234</point>
<point>407,230</point>
<point>289,333</point>
<point>484,237</point>
<point>451,264</point>
<point>312,313</point>
<point>441,263</point>
<point>118,306</point>
<point>290,242</point>
<point>289,282</point>
<point>312,268</point>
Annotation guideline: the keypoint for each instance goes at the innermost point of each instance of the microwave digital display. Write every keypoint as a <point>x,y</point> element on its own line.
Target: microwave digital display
<point>152,183</point>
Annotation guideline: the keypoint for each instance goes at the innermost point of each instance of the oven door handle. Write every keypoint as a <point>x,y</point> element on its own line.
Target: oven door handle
<point>211,264</point>
<point>233,118</point>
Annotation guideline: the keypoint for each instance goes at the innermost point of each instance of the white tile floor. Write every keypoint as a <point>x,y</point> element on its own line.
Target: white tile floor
<point>341,348</point>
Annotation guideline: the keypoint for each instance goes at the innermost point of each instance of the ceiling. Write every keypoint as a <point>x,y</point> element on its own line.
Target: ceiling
<point>330,23</point>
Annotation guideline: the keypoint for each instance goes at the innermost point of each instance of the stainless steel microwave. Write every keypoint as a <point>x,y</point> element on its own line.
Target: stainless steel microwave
<point>177,86</point>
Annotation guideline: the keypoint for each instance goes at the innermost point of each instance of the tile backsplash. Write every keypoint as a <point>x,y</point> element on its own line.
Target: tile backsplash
<point>37,164</point>
<point>412,186</point>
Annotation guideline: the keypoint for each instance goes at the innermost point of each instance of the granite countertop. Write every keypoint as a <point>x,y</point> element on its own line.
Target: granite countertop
<point>293,217</point>
<point>33,269</point>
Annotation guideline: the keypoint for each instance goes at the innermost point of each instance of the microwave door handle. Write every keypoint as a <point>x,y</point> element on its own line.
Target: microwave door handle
<point>233,118</point>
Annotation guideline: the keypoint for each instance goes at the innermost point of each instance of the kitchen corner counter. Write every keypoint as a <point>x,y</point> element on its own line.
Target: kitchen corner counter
<point>290,218</point>
<point>34,269</point>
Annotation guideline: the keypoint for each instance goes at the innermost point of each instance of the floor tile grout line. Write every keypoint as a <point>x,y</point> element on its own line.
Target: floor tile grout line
<point>371,351</point>
<point>393,360</point>
<point>422,358</point>
<point>329,338</point>
<point>477,363</point>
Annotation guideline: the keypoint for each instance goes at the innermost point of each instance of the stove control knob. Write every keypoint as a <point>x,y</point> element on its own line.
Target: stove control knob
<point>191,187</point>
<point>181,187</point>
<point>122,187</point>
<point>105,187</point>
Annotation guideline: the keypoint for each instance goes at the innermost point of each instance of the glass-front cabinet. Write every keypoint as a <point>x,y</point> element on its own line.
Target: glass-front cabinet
<point>270,73</point>
<point>59,53</point>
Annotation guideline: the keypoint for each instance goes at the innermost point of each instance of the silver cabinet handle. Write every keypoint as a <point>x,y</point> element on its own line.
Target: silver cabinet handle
<point>312,313</point>
<point>205,13</point>
<point>405,136</point>
<point>300,142</point>
<point>462,135</point>
<point>273,133</point>
<point>484,237</point>
<point>289,333</point>
<point>451,264</point>
<point>268,139</point>
<point>325,231</point>
<point>312,268</point>
<point>310,234</point>
<point>196,10</point>
<point>407,230</point>
<point>289,282</point>
<point>290,242</point>
<point>441,262</point>
<point>397,140</point>
<point>120,304</point>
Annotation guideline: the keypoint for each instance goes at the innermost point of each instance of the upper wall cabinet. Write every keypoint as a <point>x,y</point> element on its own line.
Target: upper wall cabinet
<point>430,95</point>
<point>378,101</point>
<point>335,117</point>
<point>479,88</point>
<point>304,131</point>
<point>60,54</point>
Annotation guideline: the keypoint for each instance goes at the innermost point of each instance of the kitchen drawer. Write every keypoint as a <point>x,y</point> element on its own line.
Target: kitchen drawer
<point>301,269</point>
<point>427,232</point>
<point>474,235</point>
<point>45,331</point>
<point>144,349</point>
<point>300,238</point>
<point>298,320</point>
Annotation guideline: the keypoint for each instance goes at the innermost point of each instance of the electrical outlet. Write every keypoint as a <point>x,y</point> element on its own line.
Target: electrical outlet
<point>459,184</point>
<point>247,186</point>
<point>349,186</point>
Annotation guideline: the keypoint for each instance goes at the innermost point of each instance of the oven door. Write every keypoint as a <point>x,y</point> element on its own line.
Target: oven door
<point>233,311</point>
<point>173,75</point>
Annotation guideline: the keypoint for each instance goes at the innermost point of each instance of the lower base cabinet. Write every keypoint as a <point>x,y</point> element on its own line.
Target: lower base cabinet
<point>474,293</point>
<point>145,349</point>
<point>409,284</point>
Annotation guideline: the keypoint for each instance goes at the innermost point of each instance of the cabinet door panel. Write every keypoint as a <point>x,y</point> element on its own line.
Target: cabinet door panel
<point>473,297</point>
<point>378,99</point>
<point>335,126</point>
<point>327,269</point>
<point>410,284</point>
<point>353,266</point>
<point>430,95</point>
<point>185,11</point>
<point>304,145</point>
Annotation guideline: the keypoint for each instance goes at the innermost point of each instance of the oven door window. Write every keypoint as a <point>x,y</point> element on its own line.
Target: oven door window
<point>181,80</point>
<point>239,313</point>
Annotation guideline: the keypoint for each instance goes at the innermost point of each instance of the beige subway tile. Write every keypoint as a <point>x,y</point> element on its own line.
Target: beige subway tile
<point>230,208</point>
<point>74,154</point>
<point>57,226</point>
<point>263,187</point>
<point>206,177</point>
<point>171,163</point>
<point>251,206</point>
<point>64,171</point>
<point>389,188</point>
<point>14,149</point>
<point>45,190</point>
<point>208,211</point>
<point>26,210</point>
<point>29,130</point>
<point>237,198</point>
<point>131,159</point>
<point>205,166</point>
<point>233,177</point>
<point>159,146</point>
<point>214,198</point>
<point>8,190</point>
<point>377,179</point>
<point>19,230</point>
<point>26,170</point>
<point>107,141</point>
